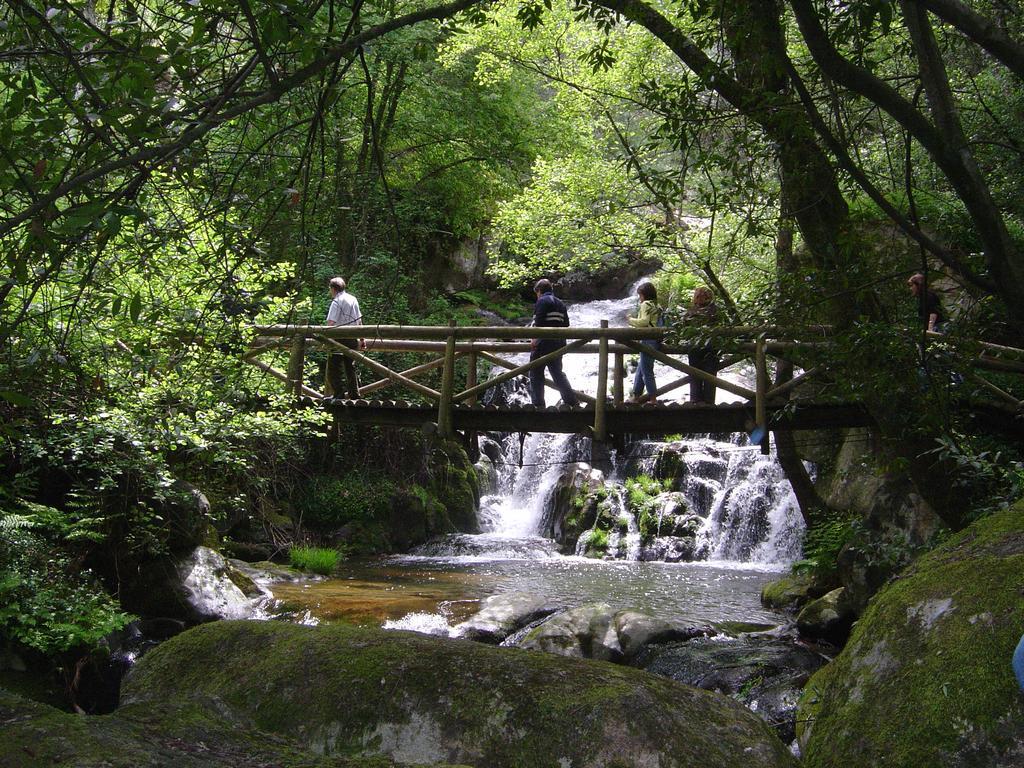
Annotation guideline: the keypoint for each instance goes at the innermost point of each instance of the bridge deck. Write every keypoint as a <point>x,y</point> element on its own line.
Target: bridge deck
<point>660,419</point>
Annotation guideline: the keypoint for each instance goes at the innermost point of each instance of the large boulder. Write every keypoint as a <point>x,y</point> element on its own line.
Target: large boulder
<point>925,678</point>
<point>195,587</point>
<point>339,690</point>
<point>452,480</point>
<point>149,736</point>
<point>827,618</point>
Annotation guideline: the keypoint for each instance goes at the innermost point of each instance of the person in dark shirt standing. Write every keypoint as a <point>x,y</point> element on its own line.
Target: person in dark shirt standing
<point>549,312</point>
<point>703,312</point>
<point>929,309</point>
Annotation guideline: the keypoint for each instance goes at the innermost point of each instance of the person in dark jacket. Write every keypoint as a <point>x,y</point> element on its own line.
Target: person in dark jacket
<point>549,312</point>
<point>929,308</point>
<point>703,311</point>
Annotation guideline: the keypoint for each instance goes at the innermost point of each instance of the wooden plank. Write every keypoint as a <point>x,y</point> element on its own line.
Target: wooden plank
<point>408,373</point>
<point>444,407</point>
<point>600,425</point>
<point>512,332</point>
<point>296,365</point>
<point>671,362</point>
<point>282,376</point>
<point>398,378</point>
<point>996,391</point>
<point>792,384</point>
<point>548,382</point>
<point>502,378</point>
<point>761,401</point>
<point>666,420</point>
<point>777,348</point>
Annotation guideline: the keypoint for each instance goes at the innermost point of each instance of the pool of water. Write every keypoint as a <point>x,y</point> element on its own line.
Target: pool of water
<point>433,592</point>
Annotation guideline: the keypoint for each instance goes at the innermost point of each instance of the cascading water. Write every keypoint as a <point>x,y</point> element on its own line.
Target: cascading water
<point>748,509</point>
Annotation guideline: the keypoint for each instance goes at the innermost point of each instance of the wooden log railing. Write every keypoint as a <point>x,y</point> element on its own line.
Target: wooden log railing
<point>452,344</point>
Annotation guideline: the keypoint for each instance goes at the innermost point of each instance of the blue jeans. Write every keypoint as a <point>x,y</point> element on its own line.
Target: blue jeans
<point>1018,663</point>
<point>644,377</point>
<point>555,369</point>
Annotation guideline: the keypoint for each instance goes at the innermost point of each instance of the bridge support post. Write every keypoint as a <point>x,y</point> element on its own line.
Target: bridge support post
<point>601,401</point>
<point>444,407</point>
<point>761,392</point>
<point>296,364</point>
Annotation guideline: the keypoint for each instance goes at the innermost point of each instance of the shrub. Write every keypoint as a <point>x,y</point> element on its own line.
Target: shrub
<point>822,543</point>
<point>315,559</point>
<point>46,601</point>
<point>641,489</point>
<point>328,502</point>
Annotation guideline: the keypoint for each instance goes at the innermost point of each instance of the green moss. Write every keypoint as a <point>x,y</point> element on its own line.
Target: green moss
<point>790,592</point>
<point>925,678</point>
<point>597,543</point>
<point>155,736</point>
<point>337,688</point>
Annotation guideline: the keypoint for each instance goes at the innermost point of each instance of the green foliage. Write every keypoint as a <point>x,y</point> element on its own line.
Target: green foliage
<point>597,542</point>
<point>315,559</point>
<point>327,502</point>
<point>47,602</point>
<point>986,469</point>
<point>642,489</point>
<point>822,543</point>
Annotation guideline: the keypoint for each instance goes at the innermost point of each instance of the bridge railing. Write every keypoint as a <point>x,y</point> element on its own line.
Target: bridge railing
<point>451,345</point>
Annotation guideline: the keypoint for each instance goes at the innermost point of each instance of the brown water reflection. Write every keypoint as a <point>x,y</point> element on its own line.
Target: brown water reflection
<point>371,593</point>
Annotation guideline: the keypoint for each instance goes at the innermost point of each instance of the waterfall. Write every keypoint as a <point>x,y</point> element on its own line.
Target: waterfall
<point>746,508</point>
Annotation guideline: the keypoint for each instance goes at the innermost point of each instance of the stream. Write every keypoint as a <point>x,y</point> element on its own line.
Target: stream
<point>749,530</point>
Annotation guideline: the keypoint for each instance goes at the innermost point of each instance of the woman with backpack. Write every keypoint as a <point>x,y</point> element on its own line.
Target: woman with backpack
<point>648,316</point>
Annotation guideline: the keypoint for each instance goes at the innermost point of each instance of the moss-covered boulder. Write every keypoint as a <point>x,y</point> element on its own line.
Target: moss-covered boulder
<point>413,698</point>
<point>148,736</point>
<point>453,482</point>
<point>791,593</point>
<point>827,618</point>
<point>925,678</point>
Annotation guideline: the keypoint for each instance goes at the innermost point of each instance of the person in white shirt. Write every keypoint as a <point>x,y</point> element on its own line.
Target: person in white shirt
<point>344,310</point>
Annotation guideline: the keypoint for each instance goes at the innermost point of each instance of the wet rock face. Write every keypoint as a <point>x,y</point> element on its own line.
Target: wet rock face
<point>197,587</point>
<point>827,618</point>
<point>766,674</point>
<point>336,690</point>
<point>925,678</point>
<point>502,615</point>
<point>596,632</point>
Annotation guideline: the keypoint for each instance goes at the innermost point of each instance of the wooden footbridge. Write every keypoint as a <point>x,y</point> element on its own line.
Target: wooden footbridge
<point>459,353</point>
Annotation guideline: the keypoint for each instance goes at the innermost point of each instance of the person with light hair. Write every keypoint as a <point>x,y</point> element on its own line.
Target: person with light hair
<point>344,310</point>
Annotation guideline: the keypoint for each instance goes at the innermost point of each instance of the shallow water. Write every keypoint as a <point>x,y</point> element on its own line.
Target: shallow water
<point>430,593</point>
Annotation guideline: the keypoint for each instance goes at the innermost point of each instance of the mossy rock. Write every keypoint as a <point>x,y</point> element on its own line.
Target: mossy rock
<point>453,482</point>
<point>791,593</point>
<point>340,690</point>
<point>925,678</point>
<point>148,736</point>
